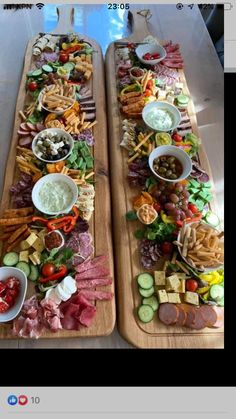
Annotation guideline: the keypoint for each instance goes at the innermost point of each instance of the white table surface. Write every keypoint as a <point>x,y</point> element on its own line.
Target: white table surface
<point>203,72</point>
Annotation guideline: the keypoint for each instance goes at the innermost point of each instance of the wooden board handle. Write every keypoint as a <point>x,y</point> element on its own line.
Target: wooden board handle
<point>138,20</point>
<point>65,22</point>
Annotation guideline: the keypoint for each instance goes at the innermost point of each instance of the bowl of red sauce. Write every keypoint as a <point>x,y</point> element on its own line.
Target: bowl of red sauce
<point>54,240</point>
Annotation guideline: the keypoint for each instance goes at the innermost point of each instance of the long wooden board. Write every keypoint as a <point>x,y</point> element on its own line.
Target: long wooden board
<point>100,224</point>
<point>154,334</point>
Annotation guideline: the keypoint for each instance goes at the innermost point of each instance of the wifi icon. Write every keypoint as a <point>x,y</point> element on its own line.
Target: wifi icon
<point>39,5</point>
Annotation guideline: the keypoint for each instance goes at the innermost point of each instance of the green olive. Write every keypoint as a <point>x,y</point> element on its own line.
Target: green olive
<point>169,173</point>
<point>173,176</point>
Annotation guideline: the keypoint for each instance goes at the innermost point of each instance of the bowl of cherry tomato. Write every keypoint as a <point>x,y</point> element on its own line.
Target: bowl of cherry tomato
<point>13,287</point>
<point>150,54</point>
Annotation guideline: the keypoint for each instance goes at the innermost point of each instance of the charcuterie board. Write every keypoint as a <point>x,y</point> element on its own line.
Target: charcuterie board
<point>154,334</point>
<point>100,222</point>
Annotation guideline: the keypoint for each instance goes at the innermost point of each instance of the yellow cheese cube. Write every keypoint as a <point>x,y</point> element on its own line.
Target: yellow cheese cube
<point>24,245</point>
<point>31,239</point>
<point>173,297</point>
<point>181,288</point>
<point>181,275</point>
<point>172,283</point>
<point>162,296</point>
<point>33,260</point>
<point>24,256</point>
<point>191,298</point>
<point>88,58</point>
<point>87,74</point>
<point>160,278</point>
<point>38,245</point>
<point>37,257</point>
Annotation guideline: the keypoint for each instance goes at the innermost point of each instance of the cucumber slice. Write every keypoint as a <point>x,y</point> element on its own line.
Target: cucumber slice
<point>145,313</point>
<point>146,293</point>
<point>152,302</point>
<point>69,66</point>
<point>216,292</point>
<point>30,73</point>
<point>221,302</point>
<point>47,68</point>
<point>34,272</point>
<point>37,73</point>
<point>23,266</point>
<point>145,280</point>
<point>212,219</point>
<point>11,259</point>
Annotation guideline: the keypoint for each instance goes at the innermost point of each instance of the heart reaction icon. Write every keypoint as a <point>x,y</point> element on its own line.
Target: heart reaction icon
<point>22,400</point>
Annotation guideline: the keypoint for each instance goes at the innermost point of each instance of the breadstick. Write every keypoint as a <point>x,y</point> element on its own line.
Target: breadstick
<point>12,221</point>
<point>17,233</point>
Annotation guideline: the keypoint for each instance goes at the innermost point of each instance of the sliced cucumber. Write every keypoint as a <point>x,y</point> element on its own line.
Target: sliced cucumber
<point>11,259</point>
<point>146,293</point>
<point>145,313</point>
<point>47,68</point>
<point>212,219</point>
<point>152,302</point>
<point>221,302</point>
<point>145,280</point>
<point>69,66</point>
<point>216,292</point>
<point>30,73</point>
<point>23,266</point>
<point>34,272</point>
<point>37,73</point>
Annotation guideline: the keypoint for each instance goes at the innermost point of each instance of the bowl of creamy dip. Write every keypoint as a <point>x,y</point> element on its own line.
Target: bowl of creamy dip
<point>161,116</point>
<point>54,194</point>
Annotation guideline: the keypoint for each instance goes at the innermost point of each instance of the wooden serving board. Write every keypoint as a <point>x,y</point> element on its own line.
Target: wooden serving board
<point>100,223</point>
<point>154,334</point>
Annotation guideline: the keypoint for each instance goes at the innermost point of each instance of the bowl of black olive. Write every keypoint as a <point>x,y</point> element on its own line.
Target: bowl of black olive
<point>170,163</point>
<point>52,145</point>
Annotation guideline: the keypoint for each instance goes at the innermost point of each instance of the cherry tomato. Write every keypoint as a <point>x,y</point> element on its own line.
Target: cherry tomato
<point>150,84</point>
<point>3,306</point>
<point>166,247</point>
<point>48,269</point>
<point>191,285</point>
<point>148,92</point>
<point>63,58</point>
<point>2,287</point>
<point>157,206</point>
<point>12,283</point>
<point>147,56</point>
<point>9,300</point>
<point>32,86</point>
<point>177,138</point>
<point>12,293</point>
<point>155,56</point>
<point>193,208</point>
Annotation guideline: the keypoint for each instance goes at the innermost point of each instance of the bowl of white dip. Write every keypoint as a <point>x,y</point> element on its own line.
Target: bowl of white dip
<point>54,194</point>
<point>161,116</point>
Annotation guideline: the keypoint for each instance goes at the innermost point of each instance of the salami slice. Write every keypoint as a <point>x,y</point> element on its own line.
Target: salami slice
<point>182,316</point>
<point>204,178</point>
<point>168,313</point>
<point>209,315</point>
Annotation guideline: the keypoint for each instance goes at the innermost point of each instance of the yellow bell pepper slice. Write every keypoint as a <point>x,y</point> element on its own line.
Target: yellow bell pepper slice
<point>202,290</point>
<point>129,88</point>
<point>167,219</point>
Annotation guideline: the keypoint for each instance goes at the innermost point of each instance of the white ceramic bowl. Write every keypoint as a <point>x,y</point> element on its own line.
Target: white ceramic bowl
<point>171,150</point>
<point>6,272</point>
<point>62,238</point>
<point>52,178</point>
<point>164,106</point>
<point>186,260</point>
<point>55,131</point>
<point>40,98</point>
<point>138,78</point>
<point>141,50</point>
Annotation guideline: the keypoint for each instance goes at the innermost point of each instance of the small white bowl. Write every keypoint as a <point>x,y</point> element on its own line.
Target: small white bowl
<point>62,240</point>
<point>141,50</point>
<point>6,272</point>
<point>53,178</point>
<point>138,78</point>
<point>55,131</point>
<point>40,104</point>
<point>162,105</point>
<point>171,150</point>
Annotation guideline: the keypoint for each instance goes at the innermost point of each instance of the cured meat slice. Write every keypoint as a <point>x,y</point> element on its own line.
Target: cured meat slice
<point>191,314</point>
<point>96,295</point>
<point>220,317</point>
<point>77,312</point>
<point>92,283</point>
<point>87,315</point>
<point>209,315</point>
<point>182,316</point>
<point>97,272</point>
<point>51,314</point>
<point>168,313</point>
<point>198,322</point>
<point>204,178</point>
<point>98,260</point>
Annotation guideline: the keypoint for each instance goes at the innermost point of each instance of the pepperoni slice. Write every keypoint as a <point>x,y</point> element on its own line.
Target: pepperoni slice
<point>168,313</point>
<point>209,315</point>
<point>182,316</point>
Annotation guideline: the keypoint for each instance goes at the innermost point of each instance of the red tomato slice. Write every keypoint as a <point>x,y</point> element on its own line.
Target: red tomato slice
<point>3,306</point>
<point>2,287</point>
<point>12,283</point>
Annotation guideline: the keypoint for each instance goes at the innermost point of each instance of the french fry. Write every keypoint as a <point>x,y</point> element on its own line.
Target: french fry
<point>17,233</point>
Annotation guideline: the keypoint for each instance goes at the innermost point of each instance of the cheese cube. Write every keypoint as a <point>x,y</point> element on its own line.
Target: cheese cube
<point>172,283</point>
<point>160,278</point>
<point>191,298</point>
<point>33,260</point>
<point>38,245</point>
<point>162,296</point>
<point>181,275</point>
<point>181,288</point>
<point>42,233</point>
<point>24,256</point>
<point>24,245</point>
<point>173,297</point>
<point>37,256</point>
<point>87,74</point>
<point>31,239</point>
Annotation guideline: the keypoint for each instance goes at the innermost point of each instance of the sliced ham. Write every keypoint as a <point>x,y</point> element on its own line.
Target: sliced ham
<point>25,141</point>
<point>51,314</point>
<point>87,315</point>
<point>93,283</point>
<point>77,312</point>
<point>96,295</point>
<point>98,272</point>
<point>30,323</point>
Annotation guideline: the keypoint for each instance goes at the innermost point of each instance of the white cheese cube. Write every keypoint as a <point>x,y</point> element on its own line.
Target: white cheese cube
<point>31,239</point>
<point>37,257</point>
<point>24,245</point>
<point>24,256</point>
<point>191,298</point>
<point>159,278</point>
<point>38,245</point>
<point>162,296</point>
<point>181,288</point>
<point>172,283</point>
<point>173,297</point>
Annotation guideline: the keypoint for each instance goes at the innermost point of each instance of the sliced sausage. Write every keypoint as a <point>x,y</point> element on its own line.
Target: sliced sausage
<point>182,316</point>
<point>24,126</point>
<point>191,314</point>
<point>198,322</point>
<point>31,126</point>
<point>220,317</point>
<point>209,315</point>
<point>25,141</point>
<point>168,313</point>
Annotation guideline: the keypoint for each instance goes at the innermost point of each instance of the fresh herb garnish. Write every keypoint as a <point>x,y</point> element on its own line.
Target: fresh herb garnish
<point>131,216</point>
